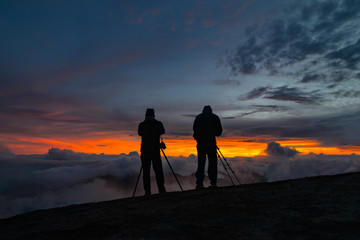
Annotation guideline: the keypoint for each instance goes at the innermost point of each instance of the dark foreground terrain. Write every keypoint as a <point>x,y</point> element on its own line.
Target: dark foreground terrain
<point>326,207</point>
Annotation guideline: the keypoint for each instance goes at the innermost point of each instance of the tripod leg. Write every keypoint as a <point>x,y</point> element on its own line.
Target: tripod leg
<point>233,173</point>
<point>172,170</point>
<point>219,152</point>
<point>222,162</point>
<point>137,181</point>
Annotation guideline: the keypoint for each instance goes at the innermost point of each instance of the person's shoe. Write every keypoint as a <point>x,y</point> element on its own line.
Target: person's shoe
<point>162,191</point>
<point>148,194</point>
<point>213,186</point>
<point>200,186</point>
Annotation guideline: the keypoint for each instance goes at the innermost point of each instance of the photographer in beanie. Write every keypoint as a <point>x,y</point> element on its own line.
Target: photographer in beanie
<point>150,130</point>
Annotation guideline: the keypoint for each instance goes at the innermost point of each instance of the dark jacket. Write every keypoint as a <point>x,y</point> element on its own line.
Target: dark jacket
<point>206,127</point>
<point>150,130</point>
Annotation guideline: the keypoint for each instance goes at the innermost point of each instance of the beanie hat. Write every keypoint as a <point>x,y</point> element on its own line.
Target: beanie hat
<point>150,112</point>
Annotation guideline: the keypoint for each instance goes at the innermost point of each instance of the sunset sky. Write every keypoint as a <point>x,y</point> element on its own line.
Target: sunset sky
<point>80,75</point>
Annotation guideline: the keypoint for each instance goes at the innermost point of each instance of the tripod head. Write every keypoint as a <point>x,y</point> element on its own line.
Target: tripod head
<point>162,145</point>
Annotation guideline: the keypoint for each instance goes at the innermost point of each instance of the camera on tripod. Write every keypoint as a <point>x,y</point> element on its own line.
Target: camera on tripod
<point>162,145</point>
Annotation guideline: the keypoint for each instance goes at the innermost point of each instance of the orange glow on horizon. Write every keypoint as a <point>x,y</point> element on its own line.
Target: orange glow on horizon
<point>230,147</point>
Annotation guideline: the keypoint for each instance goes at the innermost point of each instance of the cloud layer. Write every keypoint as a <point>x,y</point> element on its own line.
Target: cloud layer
<point>274,149</point>
<point>29,182</point>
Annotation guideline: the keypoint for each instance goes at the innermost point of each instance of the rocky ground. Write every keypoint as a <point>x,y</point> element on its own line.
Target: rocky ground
<point>326,207</point>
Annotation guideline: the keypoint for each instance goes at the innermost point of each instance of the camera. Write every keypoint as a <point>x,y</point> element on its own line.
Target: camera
<point>162,145</point>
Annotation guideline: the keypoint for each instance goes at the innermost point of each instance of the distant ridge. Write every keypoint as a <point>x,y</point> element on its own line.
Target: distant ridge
<point>322,207</point>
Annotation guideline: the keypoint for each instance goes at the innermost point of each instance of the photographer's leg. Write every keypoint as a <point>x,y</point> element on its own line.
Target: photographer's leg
<point>157,165</point>
<point>146,162</point>
<point>201,167</point>
<point>212,169</point>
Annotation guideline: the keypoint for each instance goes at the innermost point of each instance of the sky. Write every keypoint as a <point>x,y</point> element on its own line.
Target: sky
<point>79,75</point>
<point>76,79</point>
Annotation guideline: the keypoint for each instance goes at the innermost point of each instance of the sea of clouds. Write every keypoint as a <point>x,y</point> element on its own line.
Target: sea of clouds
<point>64,177</point>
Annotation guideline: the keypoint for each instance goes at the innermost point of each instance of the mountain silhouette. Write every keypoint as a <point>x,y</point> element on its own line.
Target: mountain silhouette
<point>324,207</point>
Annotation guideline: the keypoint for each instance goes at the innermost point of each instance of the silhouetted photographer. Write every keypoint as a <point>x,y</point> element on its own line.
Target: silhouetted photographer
<point>150,131</point>
<point>206,127</point>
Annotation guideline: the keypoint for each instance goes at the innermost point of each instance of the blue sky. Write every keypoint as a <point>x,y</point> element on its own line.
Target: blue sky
<point>284,69</point>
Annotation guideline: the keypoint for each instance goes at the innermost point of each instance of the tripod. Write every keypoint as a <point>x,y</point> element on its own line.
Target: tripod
<point>226,166</point>
<point>172,170</point>
<point>137,181</point>
<point>162,147</point>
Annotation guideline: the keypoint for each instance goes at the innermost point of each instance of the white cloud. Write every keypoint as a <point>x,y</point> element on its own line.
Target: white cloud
<point>33,183</point>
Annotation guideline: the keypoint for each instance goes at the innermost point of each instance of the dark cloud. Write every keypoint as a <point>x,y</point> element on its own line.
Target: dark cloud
<point>257,92</point>
<point>46,114</point>
<point>189,115</point>
<point>264,108</point>
<point>270,108</point>
<point>227,82</point>
<point>336,131</point>
<point>273,131</point>
<point>227,118</point>
<point>346,94</point>
<point>294,95</point>
<point>336,77</point>
<point>57,154</point>
<point>274,149</point>
<point>347,55</point>
<point>284,93</point>
<point>5,152</point>
<point>23,111</point>
<point>247,113</point>
<point>311,33</point>
<point>312,78</point>
<point>345,129</point>
<point>327,134</point>
<point>24,115</point>
<point>4,149</point>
